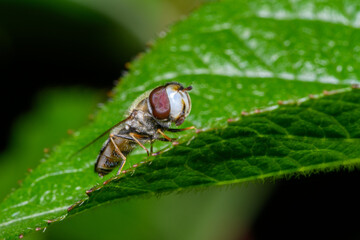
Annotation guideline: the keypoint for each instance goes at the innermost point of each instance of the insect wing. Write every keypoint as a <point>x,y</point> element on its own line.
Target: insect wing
<point>100,136</point>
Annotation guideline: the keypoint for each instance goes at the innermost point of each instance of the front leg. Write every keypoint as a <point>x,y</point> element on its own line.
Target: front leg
<point>165,136</point>
<point>181,129</point>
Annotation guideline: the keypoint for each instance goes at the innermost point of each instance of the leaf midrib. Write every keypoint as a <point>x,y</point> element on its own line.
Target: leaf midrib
<point>255,15</point>
<point>34,215</point>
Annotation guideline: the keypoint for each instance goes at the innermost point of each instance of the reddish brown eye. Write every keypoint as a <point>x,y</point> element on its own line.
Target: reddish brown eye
<point>160,103</point>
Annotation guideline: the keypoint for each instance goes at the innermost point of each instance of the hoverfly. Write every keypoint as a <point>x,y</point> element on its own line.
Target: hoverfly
<point>149,116</point>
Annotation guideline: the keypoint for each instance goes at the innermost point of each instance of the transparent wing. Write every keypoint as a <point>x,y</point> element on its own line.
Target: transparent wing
<point>100,136</point>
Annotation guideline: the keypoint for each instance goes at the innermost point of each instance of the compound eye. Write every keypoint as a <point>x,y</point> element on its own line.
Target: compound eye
<point>159,102</point>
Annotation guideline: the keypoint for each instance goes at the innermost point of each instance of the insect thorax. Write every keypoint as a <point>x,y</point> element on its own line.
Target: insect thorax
<point>142,123</point>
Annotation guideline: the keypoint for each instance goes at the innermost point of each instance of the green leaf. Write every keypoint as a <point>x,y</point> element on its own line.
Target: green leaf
<point>239,56</point>
<point>319,134</point>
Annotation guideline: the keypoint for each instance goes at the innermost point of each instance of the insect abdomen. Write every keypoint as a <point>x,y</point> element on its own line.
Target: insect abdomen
<point>108,157</point>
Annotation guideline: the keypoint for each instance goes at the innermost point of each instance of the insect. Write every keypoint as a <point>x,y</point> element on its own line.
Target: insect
<point>150,115</point>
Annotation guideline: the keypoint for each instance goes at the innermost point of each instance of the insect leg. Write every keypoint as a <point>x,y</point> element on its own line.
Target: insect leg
<point>163,139</point>
<point>151,146</point>
<point>180,130</point>
<point>121,167</point>
<point>116,147</point>
<point>164,135</point>
<point>134,135</point>
<point>112,136</point>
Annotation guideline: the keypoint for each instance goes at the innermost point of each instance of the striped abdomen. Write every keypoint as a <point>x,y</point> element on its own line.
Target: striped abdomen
<point>108,158</point>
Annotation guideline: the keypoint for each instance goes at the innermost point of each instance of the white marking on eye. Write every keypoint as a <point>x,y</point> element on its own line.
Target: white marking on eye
<point>176,105</point>
<point>187,102</point>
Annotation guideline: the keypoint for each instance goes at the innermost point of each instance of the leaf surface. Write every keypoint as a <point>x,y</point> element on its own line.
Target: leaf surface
<point>238,56</point>
<point>316,135</point>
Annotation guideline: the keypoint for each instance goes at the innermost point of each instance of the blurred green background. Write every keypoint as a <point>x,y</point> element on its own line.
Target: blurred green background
<point>58,61</point>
